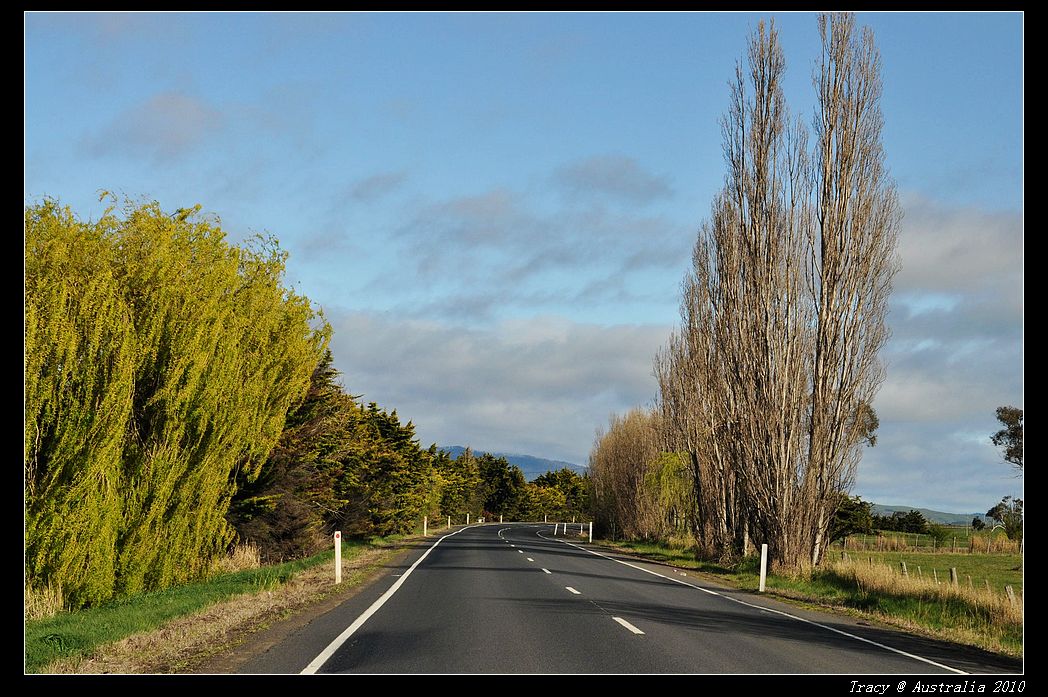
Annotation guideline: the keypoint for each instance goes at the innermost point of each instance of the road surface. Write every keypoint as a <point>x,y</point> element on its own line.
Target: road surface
<point>515,599</point>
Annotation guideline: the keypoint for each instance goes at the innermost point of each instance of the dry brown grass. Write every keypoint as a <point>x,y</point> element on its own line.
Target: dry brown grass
<point>189,641</point>
<point>41,603</point>
<point>994,544</point>
<point>970,615</point>
<point>883,579</point>
<point>976,543</point>
<point>243,556</point>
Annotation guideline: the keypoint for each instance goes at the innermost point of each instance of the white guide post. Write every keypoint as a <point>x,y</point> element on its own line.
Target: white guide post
<point>764,565</point>
<point>338,557</point>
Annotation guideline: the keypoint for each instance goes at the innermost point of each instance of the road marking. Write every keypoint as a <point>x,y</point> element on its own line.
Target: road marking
<point>573,590</point>
<point>758,607</point>
<point>530,559</point>
<point>331,648</point>
<point>521,551</point>
<point>547,571</point>
<point>627,625</point>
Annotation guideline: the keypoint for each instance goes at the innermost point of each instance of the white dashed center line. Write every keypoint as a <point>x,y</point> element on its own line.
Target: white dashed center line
<point>547,571</point>
<point>573,590</point>
<point>530,559</point>
<point>627,625</point>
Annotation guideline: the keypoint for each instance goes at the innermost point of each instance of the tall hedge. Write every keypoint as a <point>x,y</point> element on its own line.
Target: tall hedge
<point>160,364</point>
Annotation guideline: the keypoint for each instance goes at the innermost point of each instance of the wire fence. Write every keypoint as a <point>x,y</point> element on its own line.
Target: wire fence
<point>957,542</point>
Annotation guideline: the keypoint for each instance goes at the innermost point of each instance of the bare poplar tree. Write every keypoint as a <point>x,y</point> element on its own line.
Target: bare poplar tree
<point>766,384</point>
<point>621,468</point>
<point>852,260</point>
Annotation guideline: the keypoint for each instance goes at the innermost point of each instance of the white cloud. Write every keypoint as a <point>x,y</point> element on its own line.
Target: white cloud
<point>956,355</point>
<point>614,176</point>
<point>166,125</point>
<point>377,185</point>
<point>960,250</point>
<point>538,386</point>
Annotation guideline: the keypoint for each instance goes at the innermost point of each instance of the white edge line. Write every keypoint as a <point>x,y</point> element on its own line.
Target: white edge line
<point>767,609</point>
<point>627,625</point>
<point>334,646</point>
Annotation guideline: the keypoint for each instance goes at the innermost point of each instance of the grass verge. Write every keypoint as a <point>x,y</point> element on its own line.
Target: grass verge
<point>963,614</point>
<point>69,637</point>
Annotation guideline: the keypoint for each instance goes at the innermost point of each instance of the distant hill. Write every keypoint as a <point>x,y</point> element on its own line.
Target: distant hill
<point>531,466</point>
<point>932,516</point>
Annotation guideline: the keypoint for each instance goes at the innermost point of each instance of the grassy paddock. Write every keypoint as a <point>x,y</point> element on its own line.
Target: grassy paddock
<point>69,634</point>
<point>959,539</point>
<point>968,615</point>
<point>999,569</point>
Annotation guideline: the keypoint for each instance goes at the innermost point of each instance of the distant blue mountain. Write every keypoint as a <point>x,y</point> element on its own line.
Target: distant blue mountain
<point>929,515</point>
<point>531,466</point>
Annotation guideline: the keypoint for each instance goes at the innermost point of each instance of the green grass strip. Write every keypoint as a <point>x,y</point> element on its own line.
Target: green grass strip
<point>70,634</point>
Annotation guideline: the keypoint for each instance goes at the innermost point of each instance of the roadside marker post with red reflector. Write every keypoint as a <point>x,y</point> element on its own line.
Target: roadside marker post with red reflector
<point>338,557</point>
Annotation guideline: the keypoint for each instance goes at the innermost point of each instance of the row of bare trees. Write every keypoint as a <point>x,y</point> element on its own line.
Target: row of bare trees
<point>765,389</point>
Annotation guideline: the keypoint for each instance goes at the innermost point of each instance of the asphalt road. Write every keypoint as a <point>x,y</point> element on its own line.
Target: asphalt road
<point>514,599</point>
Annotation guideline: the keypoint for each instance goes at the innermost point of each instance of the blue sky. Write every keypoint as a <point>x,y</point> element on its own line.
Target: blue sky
<point>495,211</point>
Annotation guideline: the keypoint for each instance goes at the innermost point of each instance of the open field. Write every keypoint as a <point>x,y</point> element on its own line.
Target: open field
<point>959,539</point>
<point>999,569</point>
<point>967,615</point>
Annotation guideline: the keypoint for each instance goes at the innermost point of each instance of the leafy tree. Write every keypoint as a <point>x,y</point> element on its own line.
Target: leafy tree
<point>387,480</point>
<point>538,501</point>
<point>853,517</point>
<point>160,364</point>
<point>80,360</point>
<point>461,485</point>
<point>573,487</point>
<point>914,521</point>
<point>1009,514</point>
<point>866,424</point>
<point>1010,437</point>
<point>502,484</point>
<point>939,533</point>
<point>286,511</point>
<point>977,523</point>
